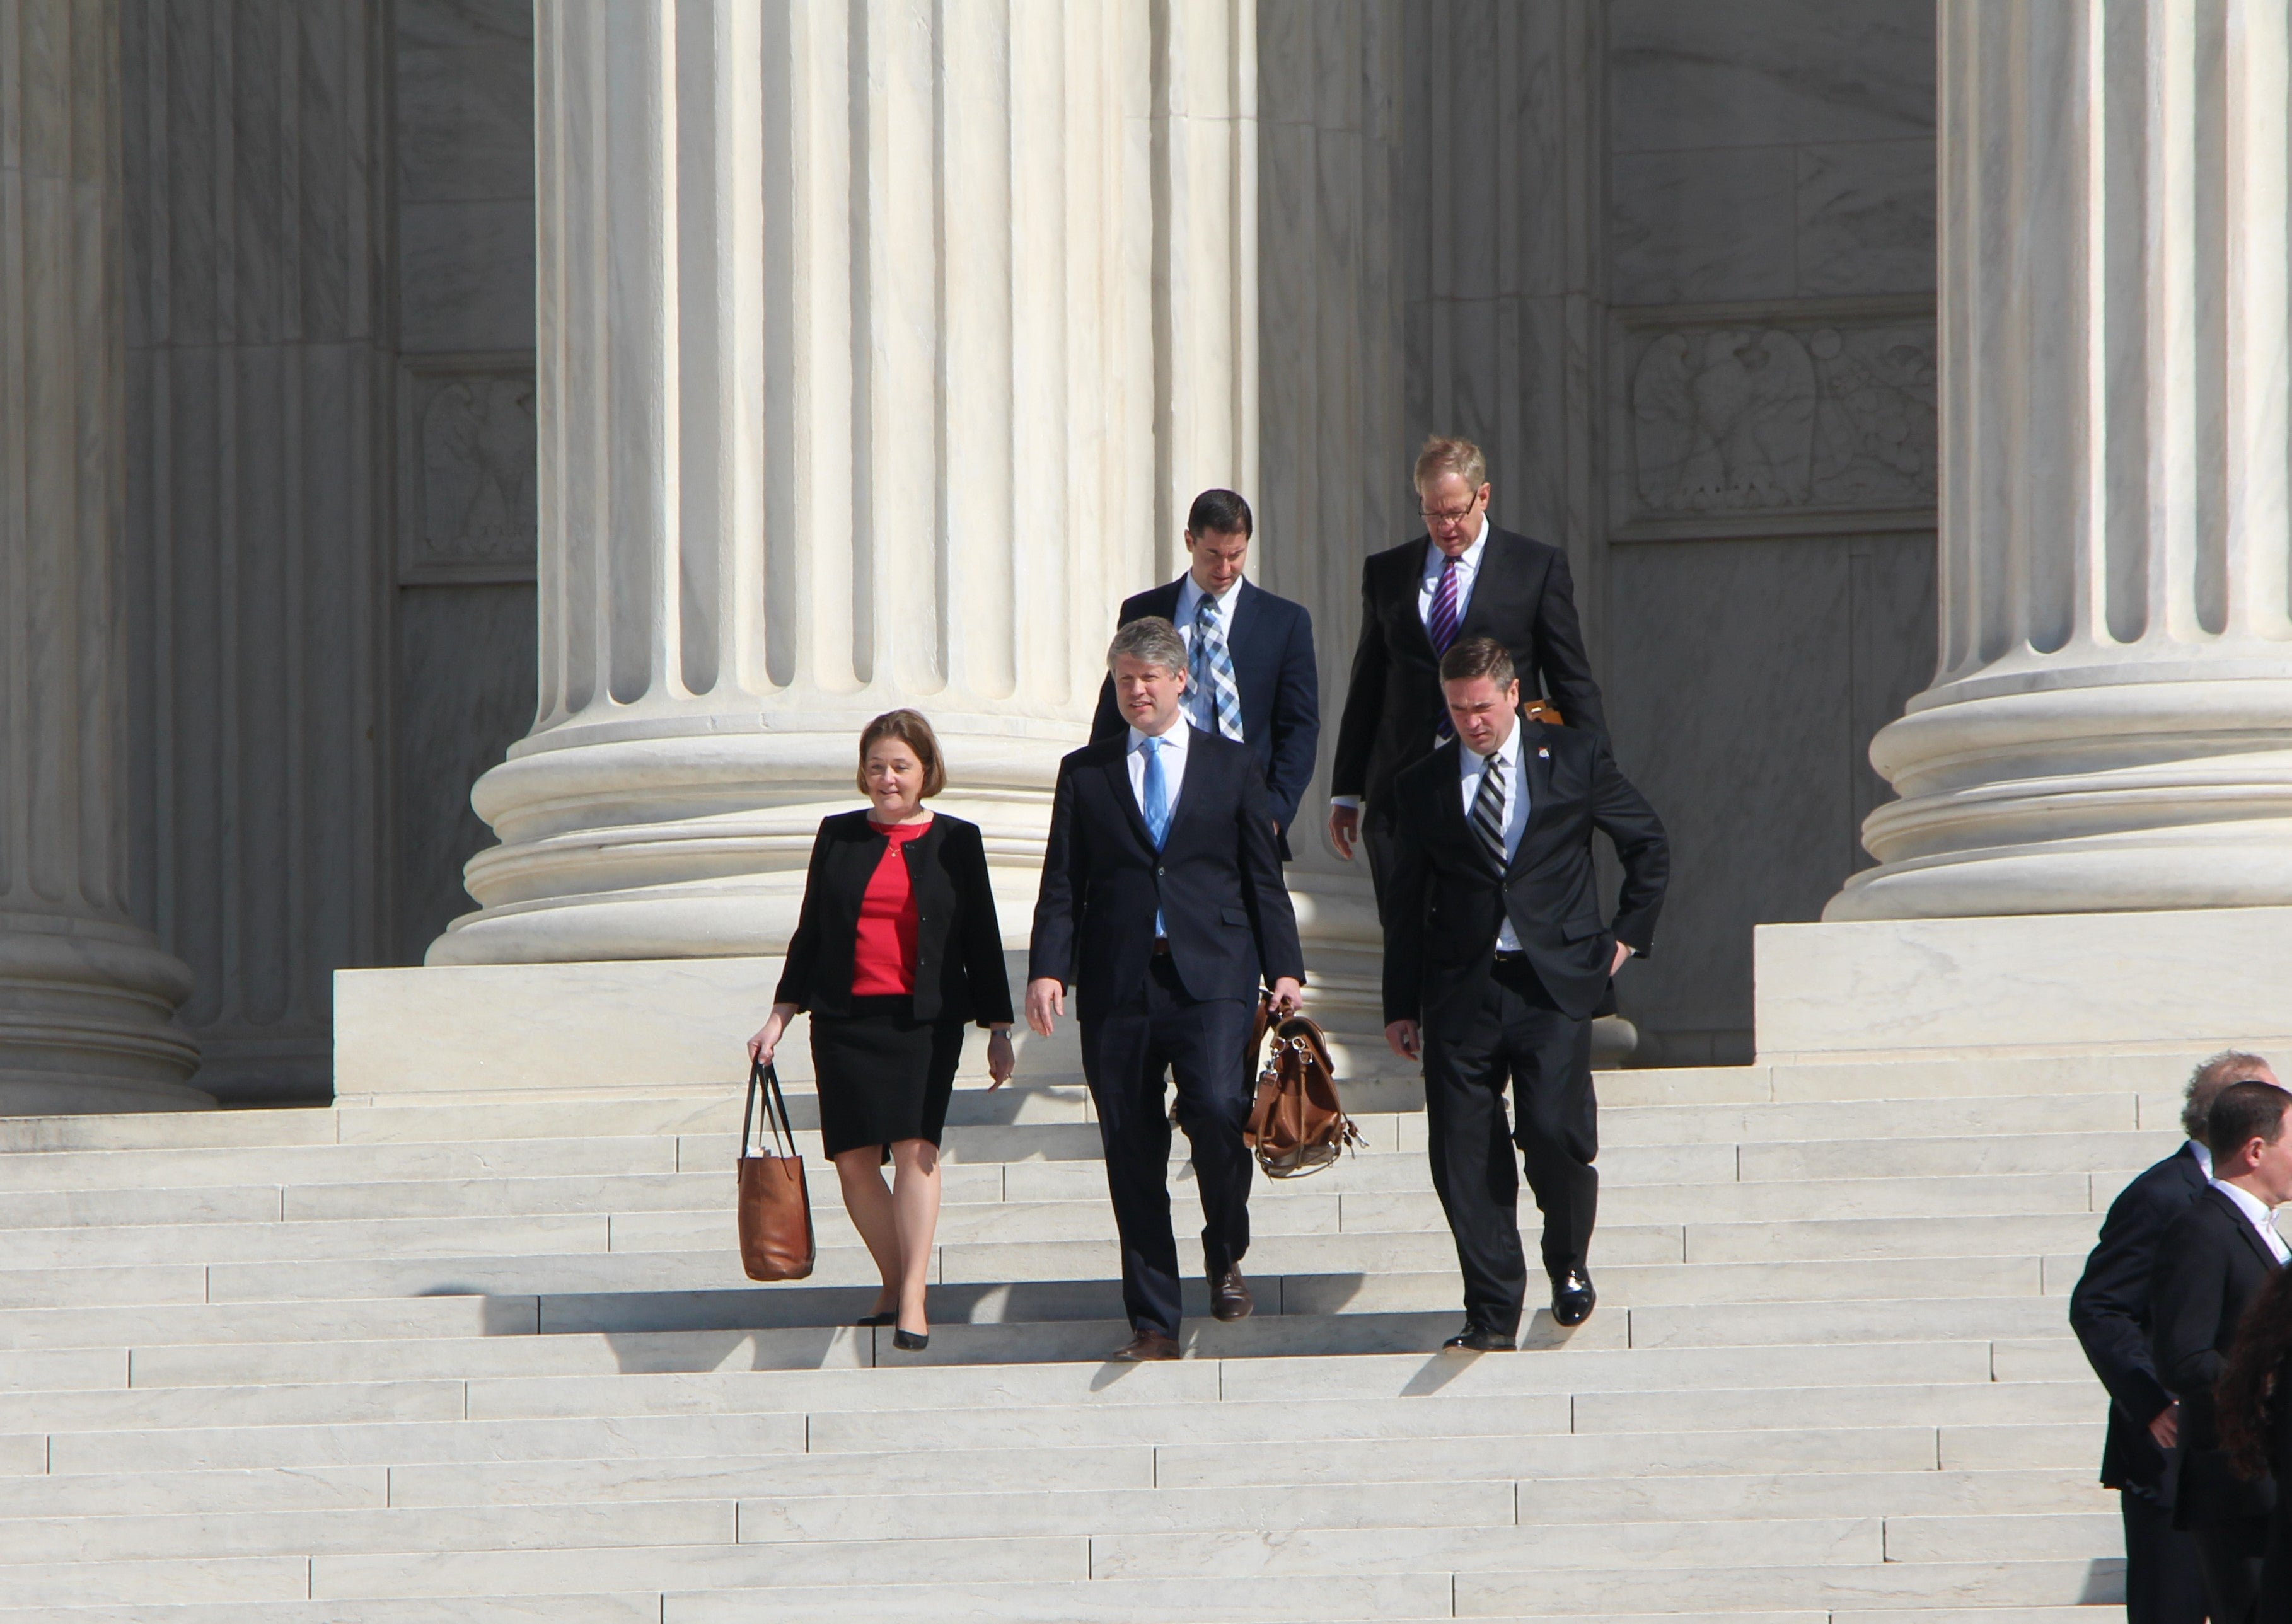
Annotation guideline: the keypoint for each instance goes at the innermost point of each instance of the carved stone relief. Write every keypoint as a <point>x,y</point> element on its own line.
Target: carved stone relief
<point>470,453</point>
<point>1740,419</point>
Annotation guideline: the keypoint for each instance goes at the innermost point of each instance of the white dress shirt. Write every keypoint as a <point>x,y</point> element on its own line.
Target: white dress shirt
<point>1470,770</point>
<point>1468,571</point>
<point>2203,1160</point>
<point>1173,762</point>
<point>1200,704</point>
<point>2256,1213</point>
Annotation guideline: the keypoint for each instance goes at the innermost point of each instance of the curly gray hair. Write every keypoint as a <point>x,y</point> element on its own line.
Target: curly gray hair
<point>2210,1077</point>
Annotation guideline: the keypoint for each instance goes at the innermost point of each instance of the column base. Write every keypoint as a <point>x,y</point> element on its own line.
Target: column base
<point>87,1020</point>
<point>2180,983</point>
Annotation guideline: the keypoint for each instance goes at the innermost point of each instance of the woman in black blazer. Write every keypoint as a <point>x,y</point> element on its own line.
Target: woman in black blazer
<point>896,948</point>
<point>2252,1408</point>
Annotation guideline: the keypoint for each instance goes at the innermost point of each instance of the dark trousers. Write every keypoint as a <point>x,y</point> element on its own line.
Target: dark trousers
<point>2163,1582</point>
<point>2230,1555</point>
<point>1516,1035</point>
<point>1125,1055</point>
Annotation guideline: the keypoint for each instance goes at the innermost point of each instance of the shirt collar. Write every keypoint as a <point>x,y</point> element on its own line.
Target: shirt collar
<point>2204,1158</point>
<point>1190,593</point>
<point>1508,752</point>
<point>2248,1204</point>
<point>1174,739</point>
<point>1470,561</point>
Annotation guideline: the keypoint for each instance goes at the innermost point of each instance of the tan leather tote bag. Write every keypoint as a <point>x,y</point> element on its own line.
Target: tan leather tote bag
<point>776,1235</point>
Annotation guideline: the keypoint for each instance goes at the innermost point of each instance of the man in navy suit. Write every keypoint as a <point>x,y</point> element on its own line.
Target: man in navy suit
<point>2109,1310</point>
<point>1249,655</point>
<point>1162,904</point>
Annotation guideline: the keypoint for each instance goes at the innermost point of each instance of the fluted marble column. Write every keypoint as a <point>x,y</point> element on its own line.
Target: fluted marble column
<point>1336,468</point>
<point>2111,726</point>
<point>86,995</point>
<point>881,345</point>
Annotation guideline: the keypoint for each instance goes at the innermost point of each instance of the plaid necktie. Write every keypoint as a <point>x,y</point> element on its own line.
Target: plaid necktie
<point>1442,625</point>
<point>1489,811</point>
<point>1212,673</point>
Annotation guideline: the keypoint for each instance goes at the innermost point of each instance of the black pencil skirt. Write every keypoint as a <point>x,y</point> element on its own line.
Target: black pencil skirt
<point>883,1075</point>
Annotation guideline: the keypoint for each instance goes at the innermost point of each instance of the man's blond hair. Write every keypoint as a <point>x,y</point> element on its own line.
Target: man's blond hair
<point>1449,454</point>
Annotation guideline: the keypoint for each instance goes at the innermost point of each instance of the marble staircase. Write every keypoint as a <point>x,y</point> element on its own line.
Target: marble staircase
<point>498,1361</point>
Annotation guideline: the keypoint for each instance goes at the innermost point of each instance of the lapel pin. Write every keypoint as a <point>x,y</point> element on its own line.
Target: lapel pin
<point>1543,752</point>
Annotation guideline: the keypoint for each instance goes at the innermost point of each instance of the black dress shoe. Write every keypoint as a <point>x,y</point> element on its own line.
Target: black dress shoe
<point>1472,1339</point>
<point>1572,1298</point>
<point>910,1342</point>
<point>887,1317</point>
<point>1229,1297</point>
<point>1147,1346</point>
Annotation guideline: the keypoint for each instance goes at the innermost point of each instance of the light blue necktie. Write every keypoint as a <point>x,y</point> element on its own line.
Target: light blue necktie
<point>1216,697</point>
<point>1155,794</point>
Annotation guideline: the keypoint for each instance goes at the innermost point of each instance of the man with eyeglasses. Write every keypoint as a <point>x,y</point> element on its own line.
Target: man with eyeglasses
<point>1463,578</point>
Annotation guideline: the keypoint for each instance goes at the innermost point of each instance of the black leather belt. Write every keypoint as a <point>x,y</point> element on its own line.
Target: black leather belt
<point>1161,947</point>
<point>1511,957</point>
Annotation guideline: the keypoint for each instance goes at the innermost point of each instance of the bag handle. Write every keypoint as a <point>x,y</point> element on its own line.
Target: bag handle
<point>765,1078</point>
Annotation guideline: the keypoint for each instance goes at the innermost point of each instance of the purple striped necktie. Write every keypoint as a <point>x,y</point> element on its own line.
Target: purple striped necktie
<point>1443,622</point>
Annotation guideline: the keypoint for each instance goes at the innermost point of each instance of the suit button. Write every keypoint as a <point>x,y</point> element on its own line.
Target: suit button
<point>1159,872</point>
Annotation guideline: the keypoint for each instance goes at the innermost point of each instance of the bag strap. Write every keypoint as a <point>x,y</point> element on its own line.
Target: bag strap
<point>765,1080</point>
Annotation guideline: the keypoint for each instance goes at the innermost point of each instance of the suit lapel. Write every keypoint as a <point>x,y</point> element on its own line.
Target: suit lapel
<point>1495,572</point>
<point>1411,576</point>
<point>1118,780</point>
<point>2244,1227</point>
<point>1535,771</point>
<point>1448,786</point>
<point>1197,761</point>
<point>1240,619</point>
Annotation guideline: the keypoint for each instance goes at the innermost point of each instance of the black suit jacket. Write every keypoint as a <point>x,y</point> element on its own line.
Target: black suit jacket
<point>959,973</point>
<point>2210,1265</point>
<point>1523,596</point>
<point>1445,903</point>
<point>2109,1310</point>
<point>1216,881</point>
<point>1271,641</point>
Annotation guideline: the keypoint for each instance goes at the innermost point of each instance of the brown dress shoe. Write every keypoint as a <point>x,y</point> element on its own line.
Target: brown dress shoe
<point>1229,1297</point>
<point>1148,1345</point>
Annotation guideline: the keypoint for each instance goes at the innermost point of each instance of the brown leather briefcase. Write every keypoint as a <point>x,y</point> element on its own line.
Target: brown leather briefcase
<point>776,1235</point>
<point>1296,1126</point>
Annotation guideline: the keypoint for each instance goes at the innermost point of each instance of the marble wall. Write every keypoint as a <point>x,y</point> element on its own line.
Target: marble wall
<point>463,634</point>
<point>1769,396</point>
<point>257,511</point>
<point>1672,264</point>
<point>329,291</point>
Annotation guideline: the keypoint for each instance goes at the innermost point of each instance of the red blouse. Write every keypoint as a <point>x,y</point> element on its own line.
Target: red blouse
<point>883,961</point>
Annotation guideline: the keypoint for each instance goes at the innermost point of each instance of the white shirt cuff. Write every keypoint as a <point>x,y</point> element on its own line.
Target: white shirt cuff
<point>1351,801</point>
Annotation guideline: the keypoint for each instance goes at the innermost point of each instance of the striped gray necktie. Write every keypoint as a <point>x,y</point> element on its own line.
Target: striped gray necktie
<point>1489,811</point>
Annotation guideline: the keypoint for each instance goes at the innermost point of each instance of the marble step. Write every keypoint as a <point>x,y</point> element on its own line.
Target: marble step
<point>1832,1119</point>
<point>848,1413</point>
<point>1881,1587</point>
<point>635,1608</point>
<point>573,1526</point>
<point>1916,1157</point>
<point>193,1445</point>
<point>2040,1492</point>
<point>2097,1530</point>
<point>1400,1597</point>
<point>1584,1414</point>
<point>1356,1180</point>
<point>607,1531</point>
